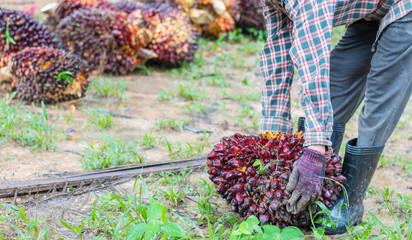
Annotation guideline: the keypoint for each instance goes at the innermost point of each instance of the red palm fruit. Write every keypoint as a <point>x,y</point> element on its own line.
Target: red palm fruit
<point>341,179</point>
<point>234,208</point>
<point>221,188</point>
<point>274,206</point>
<point>264,218</point>
<point>234,163</point>
<point>24,31</point>
<point>174,37</point>
<point>103,38</point>
<point>267,189</point>
<point>330,169</point>
<point>238,187</point>
<point>212,171</point>
<point>228,175</point>
<point>47,75</point>
<point>219,180</point>
<point>239,198</point>
<point>126,6</point>
<point>269,194</point>
<point>67,7</point>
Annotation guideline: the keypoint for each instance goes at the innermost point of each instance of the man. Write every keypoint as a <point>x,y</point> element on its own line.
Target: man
<point>373,61</point>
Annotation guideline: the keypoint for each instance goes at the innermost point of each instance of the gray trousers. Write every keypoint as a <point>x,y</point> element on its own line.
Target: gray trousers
<point>383,78</point>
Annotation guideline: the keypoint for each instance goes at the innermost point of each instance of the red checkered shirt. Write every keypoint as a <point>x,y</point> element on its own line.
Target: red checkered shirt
<point>299,35</point>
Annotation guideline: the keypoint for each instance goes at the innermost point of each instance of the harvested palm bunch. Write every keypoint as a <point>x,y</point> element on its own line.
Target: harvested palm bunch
<point>250,15</point>
<point>105,39</point>
<point>18,31</point>
<point>174,38</point>
<point>126,6</point>
<point>56,13</point>
<point>251,173</point>
<point>46,75</point>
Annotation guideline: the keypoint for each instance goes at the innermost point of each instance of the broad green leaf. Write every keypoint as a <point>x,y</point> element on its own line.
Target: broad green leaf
<point>155,210</point>
<point>290,233</point>
<point>173,229</point>
<point>253,220</point>
<point>137,231</point>
<point>270,232</point>
<point>152,228</point>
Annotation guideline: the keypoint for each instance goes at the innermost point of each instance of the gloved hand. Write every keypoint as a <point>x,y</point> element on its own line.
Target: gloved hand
<point>306,180</point>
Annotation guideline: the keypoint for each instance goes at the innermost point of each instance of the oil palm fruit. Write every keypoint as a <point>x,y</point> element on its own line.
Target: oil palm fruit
<point>67,7</point>
<point>105,39</point>
<point>174,38</point>
<point>18,31</point>
<point>250,15</point>
<point>251,173</point>
<point>126,6</point>
<point>45,74</point>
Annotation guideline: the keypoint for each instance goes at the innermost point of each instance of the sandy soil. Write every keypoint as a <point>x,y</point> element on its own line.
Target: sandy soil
<point>21,164</point>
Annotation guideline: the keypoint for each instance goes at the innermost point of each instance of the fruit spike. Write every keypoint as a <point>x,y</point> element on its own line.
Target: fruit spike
<point>104,38</point>
<point>174,37</point>
<point>48,75</point>
<point>18,31</point>
<point>262,189</point>
<point>250,15</point>
<point>67,7</point>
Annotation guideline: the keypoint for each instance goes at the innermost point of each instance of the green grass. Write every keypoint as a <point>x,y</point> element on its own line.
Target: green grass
<point>106,87</point>
<point>170,124</point>
<point>100,119</point>
<point>34,129</point>
<point>110,152</point>
<point>184,150</point>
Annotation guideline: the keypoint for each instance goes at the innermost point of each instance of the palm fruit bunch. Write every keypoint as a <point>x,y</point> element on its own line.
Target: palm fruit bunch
<point>126,6</point>
<point>18,31</point>
<point>250,15</point>
<point>251,173</point>
<point>45,74</point>
<point>105,39</point>
<point>174,37</point>
<point>182,5</point>
<point>67,7</point>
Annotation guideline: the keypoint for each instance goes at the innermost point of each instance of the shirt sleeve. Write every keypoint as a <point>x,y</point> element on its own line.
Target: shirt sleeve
<point>277,69</point>
<point>310,52</point>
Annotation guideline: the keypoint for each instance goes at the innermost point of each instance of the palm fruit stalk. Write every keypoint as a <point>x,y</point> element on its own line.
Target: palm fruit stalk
<point>251,173</point>
<point>56,13</point>
<point>250,15</point>
<point>18,31</point>
<point>105,39</point>
<point>45,74</point>
<point>174,37</point>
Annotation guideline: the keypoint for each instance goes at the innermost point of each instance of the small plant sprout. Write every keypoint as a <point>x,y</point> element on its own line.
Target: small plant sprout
<point>9,39</point>
<point>66,76</point>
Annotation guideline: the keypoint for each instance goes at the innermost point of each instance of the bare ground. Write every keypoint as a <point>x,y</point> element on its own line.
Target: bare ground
<point>21,164</point>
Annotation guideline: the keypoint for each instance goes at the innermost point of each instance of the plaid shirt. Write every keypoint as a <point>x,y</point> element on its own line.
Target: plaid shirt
<point>299,34</point>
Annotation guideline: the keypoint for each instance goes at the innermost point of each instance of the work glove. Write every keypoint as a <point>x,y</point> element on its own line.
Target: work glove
<point>306,180</point>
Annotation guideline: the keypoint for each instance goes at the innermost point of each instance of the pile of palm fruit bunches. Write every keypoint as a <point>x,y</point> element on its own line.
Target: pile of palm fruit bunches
<point>51,61</point>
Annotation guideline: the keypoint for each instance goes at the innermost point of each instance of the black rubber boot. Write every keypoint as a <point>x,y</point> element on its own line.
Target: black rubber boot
<point>358,167</point>
<point>337,137</point>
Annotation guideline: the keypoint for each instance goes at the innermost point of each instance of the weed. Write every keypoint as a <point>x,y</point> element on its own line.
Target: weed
<point>170,124</point>
<point>100,118</point>
<point>10,118</point>
<point>39,133</point>
<point>184,150</point>
<point>129,217</point>
<point>111,152</point>
<point>106,87</point>
<point>23,227</point>
<point>148,141</point>
<point>190,91</point>
<point>165,95</point>
<point>195,107</point>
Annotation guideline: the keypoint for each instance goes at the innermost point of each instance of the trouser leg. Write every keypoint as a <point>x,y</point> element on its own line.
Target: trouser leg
<point>388,85</point>
<point>349,66</point>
